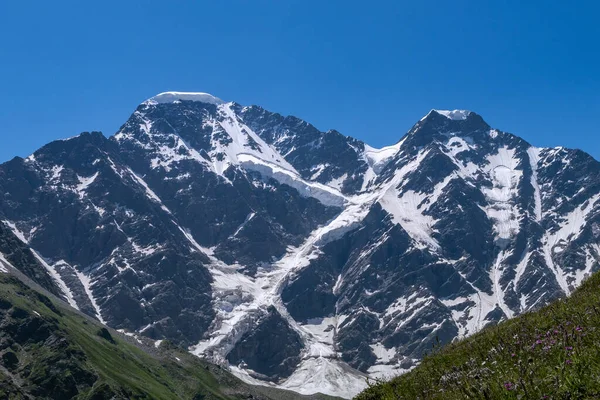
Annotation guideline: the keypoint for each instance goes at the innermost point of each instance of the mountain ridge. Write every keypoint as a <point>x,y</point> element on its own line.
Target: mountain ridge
<point>204,223</point>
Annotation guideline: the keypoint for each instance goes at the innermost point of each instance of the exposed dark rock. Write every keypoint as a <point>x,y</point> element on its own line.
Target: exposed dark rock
<point>272,348</point>
<point>105,334</point>
<point>10,360</point>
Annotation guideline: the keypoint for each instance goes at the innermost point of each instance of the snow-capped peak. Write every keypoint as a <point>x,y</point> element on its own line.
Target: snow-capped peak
<point>455,115</point>
<point>171,97</point>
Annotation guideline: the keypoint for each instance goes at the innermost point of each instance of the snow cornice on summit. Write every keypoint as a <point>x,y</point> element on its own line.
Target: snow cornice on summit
<point>172,97</point>
<point>455,115</point>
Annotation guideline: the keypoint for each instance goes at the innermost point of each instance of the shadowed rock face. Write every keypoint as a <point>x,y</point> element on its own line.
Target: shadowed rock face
<point>272,349</point>
<point>256,239</point>
<point>18,253</point>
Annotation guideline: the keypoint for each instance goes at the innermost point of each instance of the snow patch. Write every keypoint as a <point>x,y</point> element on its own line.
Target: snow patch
<point>84,183</point>
<point>149,192</point>
<point>4,263</point>
<point>456,115</point>
<point>534,158</point>
<point>383,354</point>
<point>457,145</point>
<point>569,229</point>
<point>16,231</point>
<point>56,172</point>
<point>495,275</point>
<point>501,208</point>
<point>130,334</point>
<point>57,278</point>
<point>408,210</point>
<point>87,286</point>
<point>240,140</point>
<point>378,158</point>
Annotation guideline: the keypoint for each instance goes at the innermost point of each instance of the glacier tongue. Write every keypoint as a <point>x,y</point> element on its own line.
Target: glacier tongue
<point>253,295</point>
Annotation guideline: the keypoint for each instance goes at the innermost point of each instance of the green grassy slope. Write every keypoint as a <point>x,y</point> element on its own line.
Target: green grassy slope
<point>553,353</point>
<point>50,351</point>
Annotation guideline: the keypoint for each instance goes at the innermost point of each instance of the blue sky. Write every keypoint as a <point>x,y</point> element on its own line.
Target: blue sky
<point>367,69</point>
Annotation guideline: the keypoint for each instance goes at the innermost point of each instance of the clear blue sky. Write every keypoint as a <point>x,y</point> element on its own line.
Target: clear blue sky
<point>368,69</point>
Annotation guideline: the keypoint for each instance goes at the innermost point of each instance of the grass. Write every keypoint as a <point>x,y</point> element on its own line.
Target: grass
<point>553,353</point>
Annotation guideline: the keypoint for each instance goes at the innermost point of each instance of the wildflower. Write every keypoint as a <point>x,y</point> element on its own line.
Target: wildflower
<point>513,354</point>
<point>579,329</point>
<point>569,362</point>
<point>509,386</point>
<point>569,348</point>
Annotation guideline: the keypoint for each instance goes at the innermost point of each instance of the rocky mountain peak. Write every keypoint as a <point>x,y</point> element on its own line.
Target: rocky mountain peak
<point>440,125</point>
<point>240,232</point>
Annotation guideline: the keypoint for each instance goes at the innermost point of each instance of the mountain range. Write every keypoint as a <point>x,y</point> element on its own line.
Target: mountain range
<point>297,258</point>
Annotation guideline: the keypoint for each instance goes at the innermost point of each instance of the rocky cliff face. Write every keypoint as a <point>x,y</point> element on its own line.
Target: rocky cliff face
<point>299,257</point>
